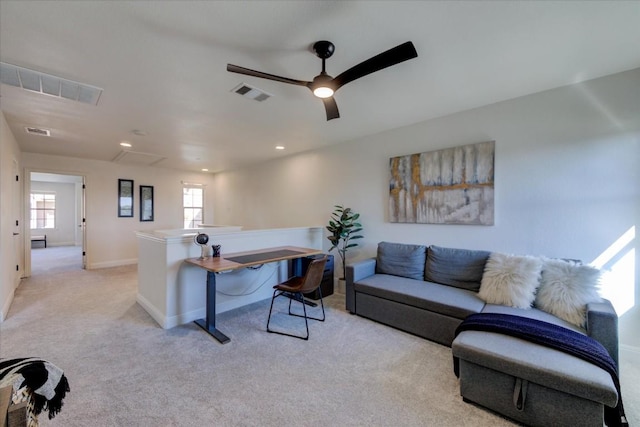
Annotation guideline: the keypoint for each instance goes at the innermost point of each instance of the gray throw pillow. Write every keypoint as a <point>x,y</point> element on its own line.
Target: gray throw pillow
<point>462,268</point>
<point>400,259</point>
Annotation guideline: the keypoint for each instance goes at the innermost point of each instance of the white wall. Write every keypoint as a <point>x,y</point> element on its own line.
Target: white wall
<point>64,232</point>
<point>111,240</point>
<point>566,179</point>
<point>9,152</point>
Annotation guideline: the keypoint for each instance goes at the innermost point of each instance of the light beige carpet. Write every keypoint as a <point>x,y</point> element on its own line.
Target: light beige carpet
<point>55,259</point>
<point>124,370</point>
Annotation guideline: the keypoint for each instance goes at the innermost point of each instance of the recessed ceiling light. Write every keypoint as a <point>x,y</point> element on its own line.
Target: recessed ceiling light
<point>205,170</point>
<point>279,147</point>
<point>125,144</point>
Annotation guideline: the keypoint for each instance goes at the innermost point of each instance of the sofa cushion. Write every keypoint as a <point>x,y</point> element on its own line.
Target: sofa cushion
<point>536,363</point>
<point>510,280</point>
<point>442,299</point>
<point>461,268</point>
<point>400,259</point>
<point>566,288</point>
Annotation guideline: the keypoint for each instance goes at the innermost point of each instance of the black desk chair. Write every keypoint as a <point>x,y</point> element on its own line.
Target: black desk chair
<point>295,287</point>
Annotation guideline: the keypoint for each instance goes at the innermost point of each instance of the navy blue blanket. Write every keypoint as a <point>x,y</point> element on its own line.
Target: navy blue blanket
<point>553,336</point>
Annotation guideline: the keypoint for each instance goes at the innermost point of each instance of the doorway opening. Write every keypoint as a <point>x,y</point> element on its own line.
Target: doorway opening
<point>56,223</point>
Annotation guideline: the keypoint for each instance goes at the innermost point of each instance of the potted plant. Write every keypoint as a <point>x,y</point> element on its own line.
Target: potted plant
<point>343,227</point>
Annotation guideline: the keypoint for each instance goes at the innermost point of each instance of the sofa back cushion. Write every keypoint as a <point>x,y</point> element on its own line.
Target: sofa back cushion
<point>400,259</point>
<point>461,268</point>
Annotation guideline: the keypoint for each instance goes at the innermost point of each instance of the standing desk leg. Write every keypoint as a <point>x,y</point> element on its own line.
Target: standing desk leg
<point>209,324</point>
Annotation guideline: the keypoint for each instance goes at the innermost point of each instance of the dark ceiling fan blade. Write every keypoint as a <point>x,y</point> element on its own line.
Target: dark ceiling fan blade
<point>241,70</point>
<point>393,56</point>
<point>331,107</point>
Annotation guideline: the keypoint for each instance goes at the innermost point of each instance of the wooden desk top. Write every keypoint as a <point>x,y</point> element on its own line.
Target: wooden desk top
<point>218,264</point>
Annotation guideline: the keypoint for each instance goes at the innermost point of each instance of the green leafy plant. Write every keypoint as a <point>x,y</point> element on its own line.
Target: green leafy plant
<point>344,228</point>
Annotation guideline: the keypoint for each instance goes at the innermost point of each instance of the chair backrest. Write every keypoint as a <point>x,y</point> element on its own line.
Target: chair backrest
<point>313,276</point>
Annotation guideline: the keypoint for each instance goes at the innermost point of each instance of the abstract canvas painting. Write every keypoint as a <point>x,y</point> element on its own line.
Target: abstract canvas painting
<point>450,186</point>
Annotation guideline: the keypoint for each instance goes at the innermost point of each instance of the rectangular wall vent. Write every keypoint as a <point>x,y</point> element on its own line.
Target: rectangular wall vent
<point>38,131</point>
<point>251,92</point>
<point>46,84</point>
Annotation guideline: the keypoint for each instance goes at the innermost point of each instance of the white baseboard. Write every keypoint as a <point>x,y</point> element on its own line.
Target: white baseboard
<point>109,264</point>
<point>4,312</point>
<point>244,300</point>
<point>169,322</point>
<point>630,349</point>
<point>186,317</point>
<point>153,312</point>
<point>57,244</point>
<point>190,316</point>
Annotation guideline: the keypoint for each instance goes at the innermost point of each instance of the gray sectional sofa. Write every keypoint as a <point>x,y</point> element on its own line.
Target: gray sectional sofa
<point>429,291</point>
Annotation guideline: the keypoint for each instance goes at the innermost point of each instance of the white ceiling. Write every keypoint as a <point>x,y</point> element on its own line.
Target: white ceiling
<point>162,66</point>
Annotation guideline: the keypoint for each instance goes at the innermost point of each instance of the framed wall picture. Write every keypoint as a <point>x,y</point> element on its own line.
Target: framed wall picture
<point>125,198</point>
<point>146,203</point>
<point>449,186</point>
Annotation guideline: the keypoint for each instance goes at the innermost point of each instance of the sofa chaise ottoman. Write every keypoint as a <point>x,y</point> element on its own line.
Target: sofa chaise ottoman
<point>530,383</point>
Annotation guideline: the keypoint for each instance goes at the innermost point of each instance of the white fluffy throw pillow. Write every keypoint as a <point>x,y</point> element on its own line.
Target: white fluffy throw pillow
<point>566,288</point>
<point>510,280</point>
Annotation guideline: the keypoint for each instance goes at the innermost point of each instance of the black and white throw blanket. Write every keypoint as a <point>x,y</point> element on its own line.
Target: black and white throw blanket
<point>46,381</point>
<point>553,336</point>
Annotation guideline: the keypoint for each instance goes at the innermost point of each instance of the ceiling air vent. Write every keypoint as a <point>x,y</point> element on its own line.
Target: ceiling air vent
<point>46,84</point>
<point>251,92</point>
<point>38,131</point>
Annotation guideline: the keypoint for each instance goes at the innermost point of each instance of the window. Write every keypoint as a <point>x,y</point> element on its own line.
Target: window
<point>43,210</point>
<point>193,206</point>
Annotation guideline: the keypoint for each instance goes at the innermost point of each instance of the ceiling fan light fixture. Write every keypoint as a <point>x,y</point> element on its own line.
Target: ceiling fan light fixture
<point>322,85</point>
<point>323,92</point>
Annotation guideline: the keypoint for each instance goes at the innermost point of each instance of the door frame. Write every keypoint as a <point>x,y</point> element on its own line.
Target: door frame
<point>17,215</point>
<point>27,212</point>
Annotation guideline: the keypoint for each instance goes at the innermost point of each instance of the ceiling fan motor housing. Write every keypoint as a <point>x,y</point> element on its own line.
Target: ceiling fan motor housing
<point>323,49</point>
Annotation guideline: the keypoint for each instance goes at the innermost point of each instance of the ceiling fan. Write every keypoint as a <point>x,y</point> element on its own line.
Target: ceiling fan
<point>323,85</point>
